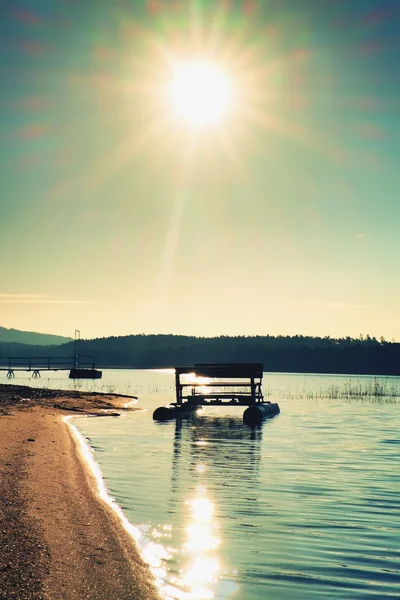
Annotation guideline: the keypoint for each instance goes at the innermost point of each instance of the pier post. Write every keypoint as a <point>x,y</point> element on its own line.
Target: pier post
<point>178,387</point>
<point>76,348</point>
<point>253,390</point>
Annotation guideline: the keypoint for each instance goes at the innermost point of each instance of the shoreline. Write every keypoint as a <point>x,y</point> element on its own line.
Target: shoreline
<point>60,538</point>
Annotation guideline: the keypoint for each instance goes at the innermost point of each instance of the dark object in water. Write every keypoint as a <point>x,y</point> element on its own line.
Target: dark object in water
<point>256,413</point>
<point>85,374</point>
<point>253,415</point>
<point>104,414</point>
<point>166,413</point>
<point>237,384</point>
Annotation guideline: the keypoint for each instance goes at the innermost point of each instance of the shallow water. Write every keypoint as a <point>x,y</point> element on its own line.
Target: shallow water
<point>305,506</point>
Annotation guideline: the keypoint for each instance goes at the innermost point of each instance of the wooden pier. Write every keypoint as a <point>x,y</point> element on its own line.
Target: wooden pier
<point>216,384</point>
<point>35,365</point>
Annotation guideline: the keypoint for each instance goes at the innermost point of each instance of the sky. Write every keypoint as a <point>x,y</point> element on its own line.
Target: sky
<point>117,216</point>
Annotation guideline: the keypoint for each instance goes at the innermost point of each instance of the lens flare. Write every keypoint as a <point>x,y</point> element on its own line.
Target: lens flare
<point>200,92</point>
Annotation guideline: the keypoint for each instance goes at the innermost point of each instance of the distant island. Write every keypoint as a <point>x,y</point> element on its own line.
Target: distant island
<point>290,354</point>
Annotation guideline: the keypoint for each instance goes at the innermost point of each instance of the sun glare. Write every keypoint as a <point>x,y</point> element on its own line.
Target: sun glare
<point>200,92</point>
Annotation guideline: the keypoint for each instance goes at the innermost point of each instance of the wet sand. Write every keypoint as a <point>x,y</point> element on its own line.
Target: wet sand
<point>58,539</point>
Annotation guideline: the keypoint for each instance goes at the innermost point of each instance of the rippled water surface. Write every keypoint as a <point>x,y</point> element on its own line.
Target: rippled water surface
<point>304,507</point>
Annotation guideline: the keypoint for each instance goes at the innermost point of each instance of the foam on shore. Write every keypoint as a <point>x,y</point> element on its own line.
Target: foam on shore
<point>167,591</point>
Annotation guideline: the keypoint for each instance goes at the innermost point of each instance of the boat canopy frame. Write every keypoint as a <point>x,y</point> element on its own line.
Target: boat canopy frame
<point>219,383</point>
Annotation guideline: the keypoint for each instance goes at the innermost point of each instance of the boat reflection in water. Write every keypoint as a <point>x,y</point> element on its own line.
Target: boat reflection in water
<point>205,447</point>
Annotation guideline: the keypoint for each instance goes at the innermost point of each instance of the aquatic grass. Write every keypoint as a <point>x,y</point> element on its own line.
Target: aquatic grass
<point>376,389</point>
<point>372,389</point>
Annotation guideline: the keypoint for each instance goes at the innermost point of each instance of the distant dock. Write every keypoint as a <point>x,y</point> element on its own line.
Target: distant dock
<point>85,369</point>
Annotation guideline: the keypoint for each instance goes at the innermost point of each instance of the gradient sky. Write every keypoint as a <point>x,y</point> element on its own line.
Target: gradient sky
<point>115,218</point>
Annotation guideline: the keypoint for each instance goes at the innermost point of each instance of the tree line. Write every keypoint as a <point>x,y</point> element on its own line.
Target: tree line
<point>296,354</point>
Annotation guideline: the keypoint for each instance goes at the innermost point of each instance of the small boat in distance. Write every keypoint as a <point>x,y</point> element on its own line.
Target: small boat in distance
<point>85,374</point>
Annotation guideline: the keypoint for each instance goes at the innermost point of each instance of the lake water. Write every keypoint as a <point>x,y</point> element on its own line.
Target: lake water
<point>306,506</point>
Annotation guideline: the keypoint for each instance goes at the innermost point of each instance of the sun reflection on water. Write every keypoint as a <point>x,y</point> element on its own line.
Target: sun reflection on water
<point>202,567</point>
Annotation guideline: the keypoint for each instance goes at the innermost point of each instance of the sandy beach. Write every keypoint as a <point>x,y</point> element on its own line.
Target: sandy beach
<point>58,539</point>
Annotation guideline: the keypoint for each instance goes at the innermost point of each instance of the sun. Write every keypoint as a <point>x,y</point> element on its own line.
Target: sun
<point>200,92</point>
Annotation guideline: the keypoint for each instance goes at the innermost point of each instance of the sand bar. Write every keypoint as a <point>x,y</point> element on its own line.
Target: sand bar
<point>58,539</point>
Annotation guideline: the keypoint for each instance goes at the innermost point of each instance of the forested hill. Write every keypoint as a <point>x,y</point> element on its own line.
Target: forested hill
<point>31,337</point>
<point>286,354</point>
